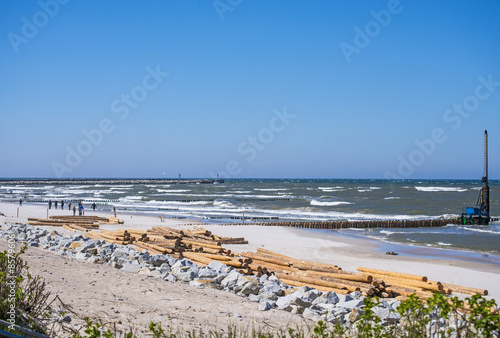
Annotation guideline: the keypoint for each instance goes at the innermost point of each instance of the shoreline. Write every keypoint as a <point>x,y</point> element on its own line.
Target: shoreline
<point>333,247</point>
<point>430,252</point>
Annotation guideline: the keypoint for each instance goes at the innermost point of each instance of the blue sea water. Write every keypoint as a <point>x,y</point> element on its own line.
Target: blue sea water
<point>294,200</point>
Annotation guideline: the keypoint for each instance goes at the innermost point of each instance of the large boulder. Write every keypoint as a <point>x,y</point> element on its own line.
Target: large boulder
<point>231,280</point>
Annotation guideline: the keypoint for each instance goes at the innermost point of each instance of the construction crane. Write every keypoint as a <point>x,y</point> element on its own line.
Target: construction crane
<point>480,214</point>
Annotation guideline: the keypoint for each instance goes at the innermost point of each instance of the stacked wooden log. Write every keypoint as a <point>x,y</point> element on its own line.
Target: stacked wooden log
<point>402,284</point>
<point>203,247</point>
<point>70,222</point>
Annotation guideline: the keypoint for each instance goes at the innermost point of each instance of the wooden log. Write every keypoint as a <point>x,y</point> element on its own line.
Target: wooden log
<point>204,245</point>
<point>66,226</point>
<point>273,267</point>
<point>197,257</point>
<point>141,245</point>
<point>366,288</point>
<point>393,274</point>
<point>219,258</point>
<point>156,248</point>
<point>77,227</point>
<point>466,290</point>
<point>414,284</point>
<point>317,287</point>
<point>356,278</point>
<point>321,282</point>
<point>115,232</point>
<point>208,250</point>
<point>266,258</point>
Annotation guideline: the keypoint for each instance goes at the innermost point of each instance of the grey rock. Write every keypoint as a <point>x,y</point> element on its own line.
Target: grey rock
<point>82,255</point>
<point>158,260</point>
<point>263,279</point>
<point>96,260</point>
<point>356,295</point>
<point>344,298</point>
<point>87,246</point>
<point>311,314</point>
<point>332,298</point>
<point>297,309</point>
<point>265,306</point>
<point>116,265</point>
<point>351,304</point>
<point>185,276</point>
<point>268,296</point>
<point>207,273</point>
<point>250,288</point>
<point>219,279</point>
<point>182,263</point>
<point>64,319</point>
<point>164,270</point>
<point>334,319</point>
<point>218,267</point>
<point>145,257</point>
<point>170,278</point>
<point>312,294</point>
<point>242,281</point>
<point>155,274</point>
<point>284,303</point>
<point>196,283</point>
<point>299,299</point>
<point>170,260</point>
<point>354,315</point>
<point>254,298</point>
<point>271,286</point>
<point>131,267</point>
<point>231,279</point>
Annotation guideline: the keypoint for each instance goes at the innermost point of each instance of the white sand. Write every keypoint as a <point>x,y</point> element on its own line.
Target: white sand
<point>331,248</point>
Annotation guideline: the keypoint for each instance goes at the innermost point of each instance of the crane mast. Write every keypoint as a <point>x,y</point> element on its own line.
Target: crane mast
<point>480,214</point>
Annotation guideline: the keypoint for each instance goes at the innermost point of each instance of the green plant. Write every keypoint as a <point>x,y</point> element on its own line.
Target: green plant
<point>23,298</point>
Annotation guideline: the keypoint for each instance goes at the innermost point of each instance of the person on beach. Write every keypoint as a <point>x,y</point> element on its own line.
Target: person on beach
<point>69,206</point>
<point>62,205</point>
<point>74,210</point>
<point>50,204</point>
<point>83,211</point>
<point>20,202</point>
<point>93,206</point>
<point>80,209</point>
<point>55,205</point>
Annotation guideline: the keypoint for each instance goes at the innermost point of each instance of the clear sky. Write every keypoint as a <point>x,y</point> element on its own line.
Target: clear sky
<point>249,88</point>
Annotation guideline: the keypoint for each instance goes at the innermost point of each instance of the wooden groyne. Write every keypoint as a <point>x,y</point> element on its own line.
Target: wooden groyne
<point>333,225</point>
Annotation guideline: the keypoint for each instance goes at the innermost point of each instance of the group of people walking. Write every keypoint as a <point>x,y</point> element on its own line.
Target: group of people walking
<point>81,209</point>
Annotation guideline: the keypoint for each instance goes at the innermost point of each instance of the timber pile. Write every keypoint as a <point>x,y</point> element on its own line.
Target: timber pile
<point>203,247</point>
<point>197,244</point>
<point>73,223</point>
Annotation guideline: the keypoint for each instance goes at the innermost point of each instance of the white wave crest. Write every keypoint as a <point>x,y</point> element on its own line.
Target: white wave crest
<point>328,203</point>
<point>439,189</point>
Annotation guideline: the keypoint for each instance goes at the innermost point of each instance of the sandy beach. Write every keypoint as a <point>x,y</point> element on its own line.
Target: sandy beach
<point>98,289</point>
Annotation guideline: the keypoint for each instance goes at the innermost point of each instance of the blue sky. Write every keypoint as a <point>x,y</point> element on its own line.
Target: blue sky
<point>267,89</point>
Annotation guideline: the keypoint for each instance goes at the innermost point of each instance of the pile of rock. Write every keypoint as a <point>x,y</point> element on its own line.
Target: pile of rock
<point>269,291</point>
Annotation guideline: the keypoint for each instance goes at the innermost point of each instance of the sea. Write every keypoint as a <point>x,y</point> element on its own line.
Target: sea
<point>246,201</point>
